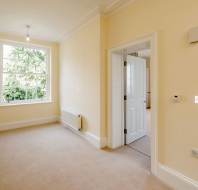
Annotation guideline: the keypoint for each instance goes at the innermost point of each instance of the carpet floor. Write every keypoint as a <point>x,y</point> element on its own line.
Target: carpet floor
<point>51,157</point>
<point>142,145</point>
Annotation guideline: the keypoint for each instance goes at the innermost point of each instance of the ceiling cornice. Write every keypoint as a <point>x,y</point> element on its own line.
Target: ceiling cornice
<point>116,5</point>
<point>107,10</point>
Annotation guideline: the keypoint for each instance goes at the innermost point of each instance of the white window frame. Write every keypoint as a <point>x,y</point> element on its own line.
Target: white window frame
<point>47,49</point>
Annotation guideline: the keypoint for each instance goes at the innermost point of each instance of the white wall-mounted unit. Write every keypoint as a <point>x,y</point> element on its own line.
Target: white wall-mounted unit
<point>72,119</point>
<point>193,35</point>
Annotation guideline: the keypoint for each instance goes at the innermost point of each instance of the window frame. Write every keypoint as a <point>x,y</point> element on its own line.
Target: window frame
<point>47,49</point>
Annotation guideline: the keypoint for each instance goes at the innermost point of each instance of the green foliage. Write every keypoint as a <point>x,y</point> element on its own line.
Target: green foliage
<point>24,74</point>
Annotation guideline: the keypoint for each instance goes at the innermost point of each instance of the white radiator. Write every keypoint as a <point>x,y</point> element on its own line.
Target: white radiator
<point>71,119</point>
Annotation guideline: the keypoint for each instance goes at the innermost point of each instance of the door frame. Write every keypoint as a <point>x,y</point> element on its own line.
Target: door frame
<point>116,133</point>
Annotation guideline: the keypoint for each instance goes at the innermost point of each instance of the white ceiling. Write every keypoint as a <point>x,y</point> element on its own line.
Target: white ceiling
<point>49,19</point>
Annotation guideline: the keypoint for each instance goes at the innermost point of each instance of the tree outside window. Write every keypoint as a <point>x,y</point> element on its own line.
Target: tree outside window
<point>24,74</point>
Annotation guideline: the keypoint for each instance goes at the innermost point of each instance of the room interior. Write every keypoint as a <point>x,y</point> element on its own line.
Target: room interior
<point>56,95</point>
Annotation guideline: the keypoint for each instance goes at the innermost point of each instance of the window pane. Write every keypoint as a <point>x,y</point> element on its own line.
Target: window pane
<point>41,86</point>
<point>31,93</point>
<point>7,50</point>
<point>8,65</point>
<point>41,68</point>
<point>20,59</point>
<point>22,87</point>
<point>13,88</point>
<point>24,74</point>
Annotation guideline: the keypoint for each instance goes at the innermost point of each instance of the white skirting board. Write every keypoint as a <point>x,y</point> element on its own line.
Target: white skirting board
<point>175,179</point>
<point>27,123</point>
<point>93,139</point>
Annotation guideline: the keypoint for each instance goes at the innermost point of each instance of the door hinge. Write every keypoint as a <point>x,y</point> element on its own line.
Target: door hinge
<point>125,63</point>
<point>125,131</point>
<point>125,97</point>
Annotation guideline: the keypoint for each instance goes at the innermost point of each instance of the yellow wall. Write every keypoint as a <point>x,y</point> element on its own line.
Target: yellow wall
<point>80,75</point>
<point>178,71</point>
<point>9,114</point>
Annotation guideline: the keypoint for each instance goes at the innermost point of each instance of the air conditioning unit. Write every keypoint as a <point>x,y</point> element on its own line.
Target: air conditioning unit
<point>193,35</point>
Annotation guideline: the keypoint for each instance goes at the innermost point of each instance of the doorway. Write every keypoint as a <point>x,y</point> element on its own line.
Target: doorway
<point>137,100</point>
<point>118,122</point>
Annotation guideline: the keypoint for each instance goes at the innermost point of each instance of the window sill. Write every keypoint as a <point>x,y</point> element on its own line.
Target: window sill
<point>25,103</point>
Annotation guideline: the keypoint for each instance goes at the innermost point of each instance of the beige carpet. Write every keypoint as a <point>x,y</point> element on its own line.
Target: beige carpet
<point>53,158</point>
<point>142,145</point>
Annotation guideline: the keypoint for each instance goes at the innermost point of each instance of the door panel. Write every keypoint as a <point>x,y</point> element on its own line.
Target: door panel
<point>136,98</point>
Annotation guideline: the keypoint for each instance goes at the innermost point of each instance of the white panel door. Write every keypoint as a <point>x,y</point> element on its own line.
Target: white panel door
<point>136,98</point>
